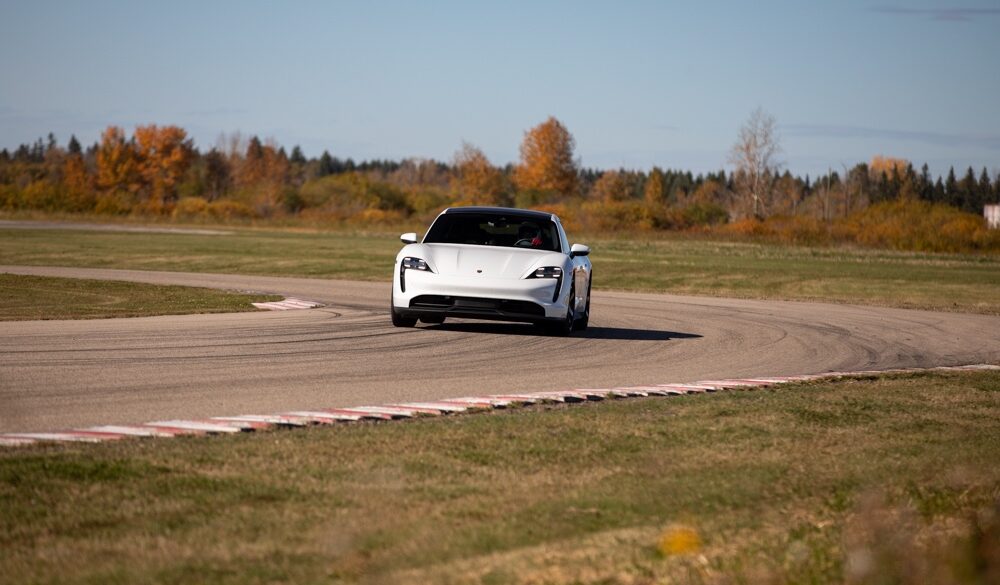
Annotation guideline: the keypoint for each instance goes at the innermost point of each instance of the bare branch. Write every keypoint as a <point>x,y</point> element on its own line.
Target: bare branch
<point>755,157</point>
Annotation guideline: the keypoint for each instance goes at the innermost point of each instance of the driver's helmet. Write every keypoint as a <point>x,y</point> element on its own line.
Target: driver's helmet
<point>530,231</point>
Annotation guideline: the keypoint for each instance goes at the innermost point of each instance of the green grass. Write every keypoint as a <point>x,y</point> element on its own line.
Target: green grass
<point>675,264</point>
<point>798,484</point>
<point>38,297</point>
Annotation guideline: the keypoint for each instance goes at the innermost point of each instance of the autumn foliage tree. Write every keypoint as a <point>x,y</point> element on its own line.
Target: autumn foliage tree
<point>263,173</point>
<point>158,171</point>
<point>654,191</point>
<point>613,186</point>
<point>547,162</point>
<point>888,165</point>
<point>163,156</point>
<point>117,165</point>
<point>476,180</point>
<point>78,182</point>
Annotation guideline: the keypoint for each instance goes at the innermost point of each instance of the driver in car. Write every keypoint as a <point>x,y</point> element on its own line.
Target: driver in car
<point>528,234</point>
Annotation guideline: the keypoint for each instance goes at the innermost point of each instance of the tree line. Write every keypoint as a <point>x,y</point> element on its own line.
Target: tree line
<point>157,170</point>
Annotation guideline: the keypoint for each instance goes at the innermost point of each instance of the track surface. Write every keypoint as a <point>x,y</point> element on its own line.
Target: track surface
<point>64,374</point>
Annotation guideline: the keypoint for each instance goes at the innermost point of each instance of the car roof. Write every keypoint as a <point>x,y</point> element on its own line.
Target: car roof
<point>502,210</point>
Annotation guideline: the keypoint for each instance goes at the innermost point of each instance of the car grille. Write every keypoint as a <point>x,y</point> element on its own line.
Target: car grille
<point>473,304</point>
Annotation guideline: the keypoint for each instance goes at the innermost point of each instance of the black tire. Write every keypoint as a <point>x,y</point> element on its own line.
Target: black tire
<point>584,321</point>
<point>399,320</point>
<point>564,327</point>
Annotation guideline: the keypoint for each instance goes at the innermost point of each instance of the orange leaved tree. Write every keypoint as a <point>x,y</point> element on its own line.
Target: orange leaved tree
<point>476,180</point>
<point>117,167</point>
<point>547,160</point>
<point>164,154</point>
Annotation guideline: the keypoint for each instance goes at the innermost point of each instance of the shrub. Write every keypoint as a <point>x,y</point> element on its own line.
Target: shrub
<point>426,201</point>
<point>190,207</point>
<point>43,195</point>
<point>532,198</point>
<point>377,216</point>
<point>900,225</point>
<point>152,206</point>
<point>80,199</point>
<point>348,194</point>
<point>10,197</point>
<point>113,203</point>
<point>626,216</point>
<point>699,214</point>
<point>225,209</point>
<point>921,226</point>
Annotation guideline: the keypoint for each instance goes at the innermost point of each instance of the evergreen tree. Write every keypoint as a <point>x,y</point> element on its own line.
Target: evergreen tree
<point>297,157</point>
<point>969,189</point>
<point>255,150</point>
<point>253,169</point>
<point>326,166</point>
<point>925,186</point>
<point>895,184</point>
<point>985,189</point>
<point>38,151</point>
<point>940,195</point>
<point>217,174</point>
<point>951,194</point>
<point>880,190</point>
<point>74,145</point>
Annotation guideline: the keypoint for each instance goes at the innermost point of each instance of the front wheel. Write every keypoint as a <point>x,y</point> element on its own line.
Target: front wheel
<point>399,320</point>
<point>564,327</point>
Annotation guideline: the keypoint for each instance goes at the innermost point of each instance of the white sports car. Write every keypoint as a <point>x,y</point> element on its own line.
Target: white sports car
<point>493,263</point>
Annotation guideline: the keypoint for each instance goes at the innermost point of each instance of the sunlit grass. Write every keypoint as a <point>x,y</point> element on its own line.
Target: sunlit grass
<point>37,297</point>
<point>664,264</point>
<point>809,483</point>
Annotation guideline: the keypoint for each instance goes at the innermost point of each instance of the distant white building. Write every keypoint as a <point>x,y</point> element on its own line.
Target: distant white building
<point>992,215</point>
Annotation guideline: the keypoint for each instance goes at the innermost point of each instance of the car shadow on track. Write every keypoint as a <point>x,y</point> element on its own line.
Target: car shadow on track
<point>592,332</point>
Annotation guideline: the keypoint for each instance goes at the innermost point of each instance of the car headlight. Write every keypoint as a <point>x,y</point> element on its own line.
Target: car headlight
<point>547,272</point>
<point>550,272</point>
<point>411,263</point>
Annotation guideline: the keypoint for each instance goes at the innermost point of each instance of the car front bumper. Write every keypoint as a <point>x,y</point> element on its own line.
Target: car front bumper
<point>429,294</point>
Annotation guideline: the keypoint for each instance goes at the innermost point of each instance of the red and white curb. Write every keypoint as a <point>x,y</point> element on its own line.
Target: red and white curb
<point>288,304</point>
<point>257,422</point>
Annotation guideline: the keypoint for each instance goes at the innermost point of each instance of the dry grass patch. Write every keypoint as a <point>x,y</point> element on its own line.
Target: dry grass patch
<point>784,485</point>
<point>43,297</point>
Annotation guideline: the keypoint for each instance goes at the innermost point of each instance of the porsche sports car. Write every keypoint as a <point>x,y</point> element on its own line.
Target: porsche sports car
<point>493,263</point>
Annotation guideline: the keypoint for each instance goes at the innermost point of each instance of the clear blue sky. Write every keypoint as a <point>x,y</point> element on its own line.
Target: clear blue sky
<point>637,83</point>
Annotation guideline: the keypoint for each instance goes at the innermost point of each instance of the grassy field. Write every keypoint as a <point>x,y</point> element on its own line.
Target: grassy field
<point>675,264</point>
<point>35,297</point>
<point>879,480</point>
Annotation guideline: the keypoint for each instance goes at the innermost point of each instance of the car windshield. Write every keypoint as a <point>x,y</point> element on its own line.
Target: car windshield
<point>493,229</point>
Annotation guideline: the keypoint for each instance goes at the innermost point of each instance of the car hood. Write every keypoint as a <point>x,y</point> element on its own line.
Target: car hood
<point>487,261</point>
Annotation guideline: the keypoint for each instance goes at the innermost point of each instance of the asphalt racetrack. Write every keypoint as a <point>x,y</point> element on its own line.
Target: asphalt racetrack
<point>66,374</point>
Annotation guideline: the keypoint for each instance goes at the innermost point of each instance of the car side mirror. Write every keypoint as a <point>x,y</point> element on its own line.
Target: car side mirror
<point>579,250</point>
<point>408,238</point>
